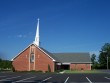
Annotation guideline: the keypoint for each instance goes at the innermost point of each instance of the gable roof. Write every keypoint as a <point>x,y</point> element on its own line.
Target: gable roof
<point>70,57</point>
<point>50,54</point>
<point>63,57</point>
<point>41,49</point>
<point>73,57</point>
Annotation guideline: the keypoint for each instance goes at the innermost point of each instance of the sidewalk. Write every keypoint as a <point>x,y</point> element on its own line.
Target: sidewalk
<point>62,72</point>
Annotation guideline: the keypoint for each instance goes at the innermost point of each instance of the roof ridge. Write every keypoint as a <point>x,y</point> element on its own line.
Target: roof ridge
<point>70,52</point>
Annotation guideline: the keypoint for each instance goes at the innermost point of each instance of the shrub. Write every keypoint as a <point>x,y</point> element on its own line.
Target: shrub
<point>49,69</point>
<point>13,69</point>
<point>39,71</point>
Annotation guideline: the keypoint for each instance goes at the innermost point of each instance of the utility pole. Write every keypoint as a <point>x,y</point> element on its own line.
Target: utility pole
<point>107,61</point>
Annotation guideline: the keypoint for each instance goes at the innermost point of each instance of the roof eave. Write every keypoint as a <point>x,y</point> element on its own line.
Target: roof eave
<point>38,48</point>
<point>75,62</point>
<point>21,52</point>
<point>45,52</point>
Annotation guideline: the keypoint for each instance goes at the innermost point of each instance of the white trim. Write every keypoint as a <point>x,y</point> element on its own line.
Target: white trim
<point>20,52</point>
<point>66,63</point>
<point>44,52</point>
<point>79,62</point>
<point>58,63</point>
<point>38,48</point>
<point>29,56</point>
<point>34,58</point>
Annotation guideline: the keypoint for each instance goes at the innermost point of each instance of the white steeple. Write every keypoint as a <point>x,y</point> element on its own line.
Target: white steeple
<point>37,34</point>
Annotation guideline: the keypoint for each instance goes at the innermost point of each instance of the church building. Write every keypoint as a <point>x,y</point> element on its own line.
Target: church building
<point>34,57</point>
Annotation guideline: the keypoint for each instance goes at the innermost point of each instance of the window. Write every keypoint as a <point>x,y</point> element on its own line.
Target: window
<point>32,58</point>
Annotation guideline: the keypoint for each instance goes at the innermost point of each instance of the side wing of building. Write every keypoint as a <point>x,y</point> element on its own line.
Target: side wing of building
<point>73,61</point>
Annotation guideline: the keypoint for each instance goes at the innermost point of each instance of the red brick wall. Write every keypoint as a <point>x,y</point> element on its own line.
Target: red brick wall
<point>42,61</point>
<point>21,63</point>
<point>80,66</point>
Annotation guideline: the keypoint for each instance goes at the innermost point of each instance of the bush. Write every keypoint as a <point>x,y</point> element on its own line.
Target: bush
<point>13,69</point>
<point>46,71</point>
<point>59,70</point>
<point>49,69</point>
<point>39,71</point>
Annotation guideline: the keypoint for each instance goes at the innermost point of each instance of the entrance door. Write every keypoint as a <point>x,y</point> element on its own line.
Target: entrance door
<point>59,66</point>
<point>65,67</point>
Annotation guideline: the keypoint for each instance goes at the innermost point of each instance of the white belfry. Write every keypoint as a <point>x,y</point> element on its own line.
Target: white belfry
<point>37,34</point>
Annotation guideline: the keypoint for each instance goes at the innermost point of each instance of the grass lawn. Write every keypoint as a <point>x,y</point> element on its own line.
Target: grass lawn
<point>86,71</point>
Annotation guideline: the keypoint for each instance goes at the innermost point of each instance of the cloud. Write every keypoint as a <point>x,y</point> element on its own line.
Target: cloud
<point>30,34</point>
<point>21,36</point>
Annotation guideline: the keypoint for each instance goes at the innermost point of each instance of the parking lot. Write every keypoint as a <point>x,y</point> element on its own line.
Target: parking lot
<point>33,77</point>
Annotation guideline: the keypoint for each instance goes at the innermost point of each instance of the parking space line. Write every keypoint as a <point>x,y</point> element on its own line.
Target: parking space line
<point>3,76</point>
<point>24,79</point>
<point>107,78</point>
<point>47,79</point>
<point>10,78</point>
<point>88,80</point>
<point>66,80</point>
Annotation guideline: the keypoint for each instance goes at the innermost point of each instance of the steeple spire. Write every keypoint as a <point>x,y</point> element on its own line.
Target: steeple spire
<point>37,34</point>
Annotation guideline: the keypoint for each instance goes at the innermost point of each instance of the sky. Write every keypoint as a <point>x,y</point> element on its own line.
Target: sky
<point>65,25</point>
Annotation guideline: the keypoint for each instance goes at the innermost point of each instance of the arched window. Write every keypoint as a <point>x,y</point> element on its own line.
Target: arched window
<point>32,58</point>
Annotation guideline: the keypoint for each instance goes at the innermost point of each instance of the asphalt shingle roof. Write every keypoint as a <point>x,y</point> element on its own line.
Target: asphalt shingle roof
<point>70,57</point>
<point>50,54</point>
<point>65,57</point>
<point>73,57</point>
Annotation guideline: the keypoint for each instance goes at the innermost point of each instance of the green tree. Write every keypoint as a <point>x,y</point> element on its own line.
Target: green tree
<point>105,51</point>
<point>0,60</point>
<point>4,64</point>
<point>93,58</point>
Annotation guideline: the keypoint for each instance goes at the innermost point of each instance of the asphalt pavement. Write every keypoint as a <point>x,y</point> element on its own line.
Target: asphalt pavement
<point>33,77</point>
